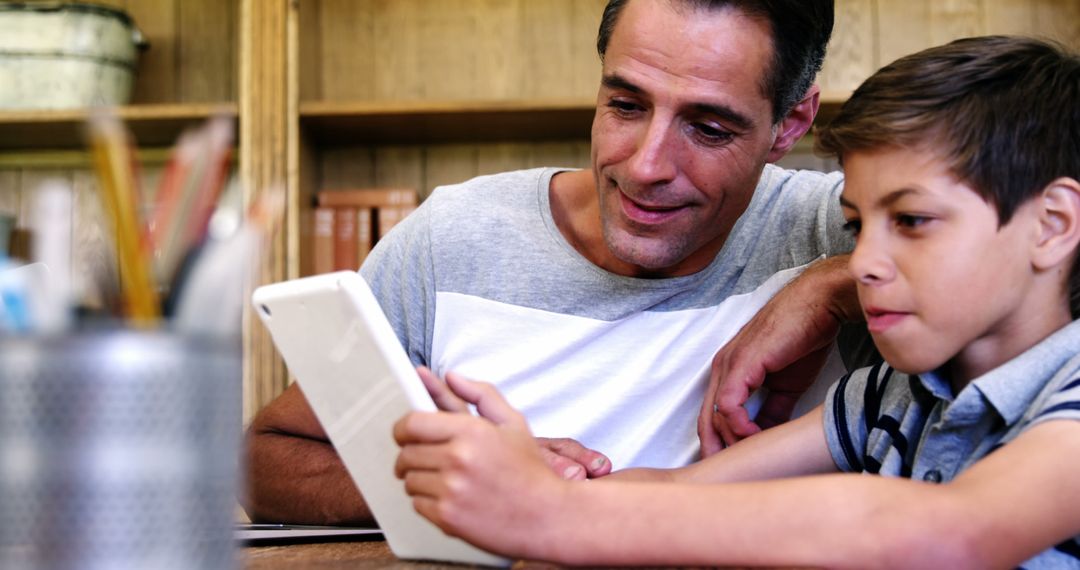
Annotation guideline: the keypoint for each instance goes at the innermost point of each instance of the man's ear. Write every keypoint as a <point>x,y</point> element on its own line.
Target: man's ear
<point>797,122</point>
<point>1059,224</point>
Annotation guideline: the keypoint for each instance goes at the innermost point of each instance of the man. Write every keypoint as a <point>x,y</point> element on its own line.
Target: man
<point>595,300</point>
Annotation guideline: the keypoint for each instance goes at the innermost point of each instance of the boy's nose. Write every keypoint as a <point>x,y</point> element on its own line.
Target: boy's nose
<point>870,264</point>
<point>653,161</point>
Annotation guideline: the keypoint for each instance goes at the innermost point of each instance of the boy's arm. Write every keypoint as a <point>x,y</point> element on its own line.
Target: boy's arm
<point>795,448</point>
<point>485,481</point>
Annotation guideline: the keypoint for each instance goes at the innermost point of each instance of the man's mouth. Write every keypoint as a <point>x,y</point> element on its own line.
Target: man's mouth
<point>645,213</point>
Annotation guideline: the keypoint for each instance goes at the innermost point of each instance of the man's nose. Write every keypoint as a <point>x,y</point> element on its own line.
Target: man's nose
<point>654,158</point>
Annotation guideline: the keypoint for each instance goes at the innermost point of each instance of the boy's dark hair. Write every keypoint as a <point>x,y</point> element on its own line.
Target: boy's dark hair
<point>1003,111</point>
<point>800,29</point>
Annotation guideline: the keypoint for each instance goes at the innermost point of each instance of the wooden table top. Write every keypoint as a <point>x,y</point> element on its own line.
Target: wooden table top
<point>352,555</point>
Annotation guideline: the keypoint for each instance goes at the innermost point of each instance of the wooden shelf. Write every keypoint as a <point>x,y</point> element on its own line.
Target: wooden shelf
<point>420,122</point>
<point>429,122</point>
<point>152,125</point>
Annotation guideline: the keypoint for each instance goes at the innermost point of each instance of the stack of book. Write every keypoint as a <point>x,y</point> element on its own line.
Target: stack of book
<point>349,222</point>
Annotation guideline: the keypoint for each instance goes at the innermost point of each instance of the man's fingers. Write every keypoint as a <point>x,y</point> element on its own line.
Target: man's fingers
<point>563,466</point>
<point>441,393</point>
<point>776,409</point>
<point>488,401</point>
<point>594,463</point>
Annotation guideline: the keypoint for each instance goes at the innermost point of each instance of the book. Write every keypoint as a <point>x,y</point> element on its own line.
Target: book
<point>349,222</point>
<point>323,241</point>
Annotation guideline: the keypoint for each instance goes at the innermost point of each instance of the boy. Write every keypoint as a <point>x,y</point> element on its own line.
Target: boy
<point>962,171</point>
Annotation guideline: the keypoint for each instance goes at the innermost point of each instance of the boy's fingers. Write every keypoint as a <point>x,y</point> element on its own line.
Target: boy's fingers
<point>429,427</point>
<point>441,393</point>
<point>488,401</point>
<point>419,456</point>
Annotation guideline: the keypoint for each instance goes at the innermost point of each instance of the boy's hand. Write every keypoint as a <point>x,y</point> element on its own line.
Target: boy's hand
<point>783,348</point>
<point>477,478</point>
<point>568,458</point>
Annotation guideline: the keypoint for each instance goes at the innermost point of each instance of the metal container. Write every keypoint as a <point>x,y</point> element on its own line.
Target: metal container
<point>118,450</point>
<point>66,55</point>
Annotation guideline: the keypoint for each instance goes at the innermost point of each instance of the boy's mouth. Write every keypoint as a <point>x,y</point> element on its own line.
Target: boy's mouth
<point>880,320</point>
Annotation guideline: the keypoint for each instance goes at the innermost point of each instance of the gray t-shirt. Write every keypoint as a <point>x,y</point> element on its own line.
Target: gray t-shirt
<point>479,280</point>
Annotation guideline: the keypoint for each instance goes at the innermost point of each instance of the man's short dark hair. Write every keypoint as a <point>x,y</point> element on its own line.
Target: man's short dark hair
<point>800,30</point>
<point>1003,112</point>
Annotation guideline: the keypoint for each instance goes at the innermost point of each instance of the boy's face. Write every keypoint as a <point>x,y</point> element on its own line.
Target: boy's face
<point>939,281</point>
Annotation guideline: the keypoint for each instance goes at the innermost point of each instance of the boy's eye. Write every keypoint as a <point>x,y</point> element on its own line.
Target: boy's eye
<point>911,221</point>
<point>852,227</point>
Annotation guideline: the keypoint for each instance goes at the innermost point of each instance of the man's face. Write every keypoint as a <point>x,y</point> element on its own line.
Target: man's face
<point>681,134</point>
<point>939,281</point>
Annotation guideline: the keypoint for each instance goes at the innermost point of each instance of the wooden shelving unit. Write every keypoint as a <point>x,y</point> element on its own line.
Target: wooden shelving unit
<point>151,124</point>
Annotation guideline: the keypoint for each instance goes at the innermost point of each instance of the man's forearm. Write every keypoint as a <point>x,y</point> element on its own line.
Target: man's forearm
<point>301,481</point>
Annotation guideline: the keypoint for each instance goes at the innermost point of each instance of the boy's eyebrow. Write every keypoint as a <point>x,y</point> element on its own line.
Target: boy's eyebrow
<point>726,113</point>
<point>885,201</point>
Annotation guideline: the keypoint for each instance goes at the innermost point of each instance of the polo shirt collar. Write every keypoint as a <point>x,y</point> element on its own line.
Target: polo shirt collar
<point>1013,386</point>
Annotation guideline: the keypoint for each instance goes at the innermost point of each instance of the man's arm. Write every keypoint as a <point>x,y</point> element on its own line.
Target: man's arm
<point>294,475</point>
<point>783,347</point>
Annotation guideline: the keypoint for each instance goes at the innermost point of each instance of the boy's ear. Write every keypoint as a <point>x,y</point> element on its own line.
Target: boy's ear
<point>797,122</point>
<point>1059,223</point>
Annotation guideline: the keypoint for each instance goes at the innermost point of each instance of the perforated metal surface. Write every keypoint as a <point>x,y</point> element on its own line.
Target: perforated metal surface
<point>118,450</point>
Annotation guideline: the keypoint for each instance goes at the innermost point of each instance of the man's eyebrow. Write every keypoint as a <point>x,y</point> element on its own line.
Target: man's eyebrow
<point>726,113</point>
<point>613,81</point>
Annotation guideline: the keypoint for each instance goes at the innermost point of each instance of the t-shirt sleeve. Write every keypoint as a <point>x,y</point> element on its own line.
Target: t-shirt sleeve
<point>845,423</point>
<point>1061,401</point>
<point>399,271</point>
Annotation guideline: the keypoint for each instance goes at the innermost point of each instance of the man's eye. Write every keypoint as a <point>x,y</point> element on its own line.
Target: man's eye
<point>711,134</point>
<point>623,107</point>
<point>852,227</point>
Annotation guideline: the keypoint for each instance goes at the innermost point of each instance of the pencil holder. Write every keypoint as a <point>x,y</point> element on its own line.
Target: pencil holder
<point>118,450</point>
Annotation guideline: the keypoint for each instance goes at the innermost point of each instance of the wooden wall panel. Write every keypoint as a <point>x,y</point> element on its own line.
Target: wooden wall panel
<point>192,55</point>
<point>850,57</point>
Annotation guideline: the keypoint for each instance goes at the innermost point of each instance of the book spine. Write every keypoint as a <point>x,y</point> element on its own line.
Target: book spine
<point>322,240</point>
<point>345,241</point>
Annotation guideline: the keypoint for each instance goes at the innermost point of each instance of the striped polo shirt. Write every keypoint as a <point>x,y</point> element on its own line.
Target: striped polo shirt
<point>880,420</point>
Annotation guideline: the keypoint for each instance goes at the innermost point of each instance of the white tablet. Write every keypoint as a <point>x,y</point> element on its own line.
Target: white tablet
<point>357,378</point>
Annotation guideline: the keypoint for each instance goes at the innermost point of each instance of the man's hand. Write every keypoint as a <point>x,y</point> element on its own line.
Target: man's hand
<point>473,476</point>
<point>783,348</point>
<point>568,458</point>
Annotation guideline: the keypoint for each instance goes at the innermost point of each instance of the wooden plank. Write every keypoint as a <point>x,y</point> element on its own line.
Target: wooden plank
<point>206,51</point>
<point>311,49</point>
<point>585,62</point>
<point>952,19</point>
<point>348,167</point>
<point>902,29</point>
<point>498,49</point>
<point>565,154</point>
<point>10,192</point>
<point>93,255</point>
<point>265,116</point>
<point>448,164</point>
<point>850,56</point>
<point>1058,20</point>
<point>1009,17</point>
<point>346,44</point>
<point>447,32</point>
<point>547,53</point>
<point>501,157</point>
<point>401,167</point>
<point>396,54</point>
<point>155,81</point>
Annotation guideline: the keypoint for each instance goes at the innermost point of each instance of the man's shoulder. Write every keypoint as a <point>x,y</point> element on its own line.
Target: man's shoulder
<point>776,178</point>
